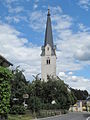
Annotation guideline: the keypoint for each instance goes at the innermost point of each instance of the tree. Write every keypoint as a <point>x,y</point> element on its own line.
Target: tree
<point>53,89</point>
<point>35,93</point>
<point>80,94</point>
<point>34,104</point>
<point>5,77</point>
<point>19,87</point>
<point>56,89</point>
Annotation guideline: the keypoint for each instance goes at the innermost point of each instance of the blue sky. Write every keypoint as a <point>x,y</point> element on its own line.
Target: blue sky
<point>22,29</point>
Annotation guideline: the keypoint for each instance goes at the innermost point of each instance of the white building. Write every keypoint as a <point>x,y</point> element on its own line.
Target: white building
<point>48,55</point>
<point>88,103</point>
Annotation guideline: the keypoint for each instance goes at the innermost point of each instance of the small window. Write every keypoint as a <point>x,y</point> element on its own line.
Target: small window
<point>48,61</point>
<point>48,48</point>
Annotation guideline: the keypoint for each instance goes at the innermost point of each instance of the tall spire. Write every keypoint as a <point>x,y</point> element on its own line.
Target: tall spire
<point>48,36</point>
<point>48,33</point>
<point>48,12</point>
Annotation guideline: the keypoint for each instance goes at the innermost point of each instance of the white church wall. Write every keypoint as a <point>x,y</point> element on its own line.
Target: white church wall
<point>48,69</point>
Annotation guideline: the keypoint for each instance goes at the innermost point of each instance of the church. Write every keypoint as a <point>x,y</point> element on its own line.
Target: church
<point>48,54</point>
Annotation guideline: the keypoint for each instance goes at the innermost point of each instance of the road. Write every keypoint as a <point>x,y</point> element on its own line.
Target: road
<point>70,116</point>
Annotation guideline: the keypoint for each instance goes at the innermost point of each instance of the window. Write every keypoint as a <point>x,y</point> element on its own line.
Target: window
<point>48,61</point>
<point>48,48</point>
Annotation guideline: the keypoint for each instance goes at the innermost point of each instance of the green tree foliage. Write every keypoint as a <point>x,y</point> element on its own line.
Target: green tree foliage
<point>56,89</point>
<point>35,91</point>
<point>46,92</point>
<point>35,104</point>
<point>17,109</point>
<point>80,94</point>
<point>41,93</point>
<point>5,77</point>
<point>19,87</point>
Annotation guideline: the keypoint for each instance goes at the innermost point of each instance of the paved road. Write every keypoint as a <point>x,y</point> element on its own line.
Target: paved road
<point>70,116</point>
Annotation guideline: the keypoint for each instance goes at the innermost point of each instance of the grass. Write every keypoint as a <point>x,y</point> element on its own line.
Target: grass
<point>29,116</point>
<point>20,117</point>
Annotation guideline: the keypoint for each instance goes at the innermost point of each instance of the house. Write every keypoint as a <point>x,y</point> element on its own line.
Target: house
<point>4,62</point>
<point>88,103</point>
<point>79,106</point>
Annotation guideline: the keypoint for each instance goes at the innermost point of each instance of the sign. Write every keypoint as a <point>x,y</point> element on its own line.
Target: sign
<point>26,96</point>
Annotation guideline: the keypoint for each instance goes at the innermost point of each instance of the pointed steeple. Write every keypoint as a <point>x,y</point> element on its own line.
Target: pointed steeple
<point>48,33</point>
<point>48,36</point>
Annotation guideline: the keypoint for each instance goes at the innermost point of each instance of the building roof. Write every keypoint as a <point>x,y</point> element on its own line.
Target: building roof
<point>48,36</point>
<point>4,62</point>
<point>48,33</point>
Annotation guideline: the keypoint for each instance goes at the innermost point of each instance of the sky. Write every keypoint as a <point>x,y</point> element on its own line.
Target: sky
<point>22,32</point>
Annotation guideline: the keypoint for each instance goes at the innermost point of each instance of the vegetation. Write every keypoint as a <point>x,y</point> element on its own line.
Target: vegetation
<point>80,94</point>
<point>20,117</point>
<point>52,90</point>
<point>41,94</point>
<point>19,87</point>
<point>17,109</point>
<point>5,77</point>
<point>51,95</point>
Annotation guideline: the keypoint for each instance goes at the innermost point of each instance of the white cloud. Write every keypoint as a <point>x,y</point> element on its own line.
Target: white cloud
<point>18,9</point>
<point>62,74</point>
<point>77,82</point>
<point>14,49</point>
<point>12,19</point>
<point>37,20</point>
<point>13,6</point>
<point>54,10</point>
<point>61,22</point>
<point>16,19</point>
<point>70,73</point>
<point>35,6</point>
<point>83,28</point>
<point>11,1</point>
<point>85,4</point>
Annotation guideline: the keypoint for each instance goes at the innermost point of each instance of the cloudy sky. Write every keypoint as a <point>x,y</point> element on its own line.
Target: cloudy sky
<point>22,29</point>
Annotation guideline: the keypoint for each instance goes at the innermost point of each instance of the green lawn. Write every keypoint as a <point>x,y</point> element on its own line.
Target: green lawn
<point>20,117</point>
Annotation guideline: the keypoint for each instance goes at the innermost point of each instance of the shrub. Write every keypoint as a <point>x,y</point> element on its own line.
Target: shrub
<point>17,109</point>
<point>5,77</point>
<point>34,104</point>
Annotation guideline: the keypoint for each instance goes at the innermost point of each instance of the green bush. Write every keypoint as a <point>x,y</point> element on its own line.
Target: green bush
<point>34,104</point>
<point>17,109</point>
<point>5,77</point>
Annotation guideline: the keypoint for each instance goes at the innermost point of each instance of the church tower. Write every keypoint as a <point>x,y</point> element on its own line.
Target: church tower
<point>48,55</point>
